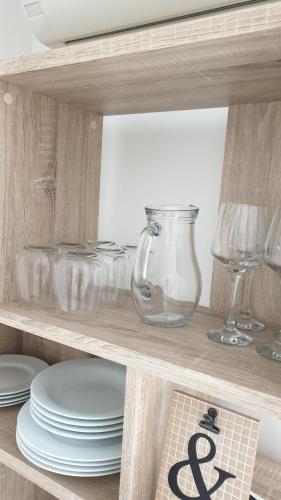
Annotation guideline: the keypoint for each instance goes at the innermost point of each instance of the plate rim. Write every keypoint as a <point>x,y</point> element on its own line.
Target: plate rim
<point>86,429</point>
<point>82,420</point>
<point>58,367</point>
<point>25,416</point>
<point>72,434</point>
<point>94,468</point>
<point>33,361</point>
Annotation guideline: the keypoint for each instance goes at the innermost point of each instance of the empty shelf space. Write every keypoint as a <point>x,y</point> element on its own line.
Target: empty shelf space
<point>183,356</point>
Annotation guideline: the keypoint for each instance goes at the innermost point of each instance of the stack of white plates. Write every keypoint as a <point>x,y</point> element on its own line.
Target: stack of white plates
<point>16,374</point>
<point>73,424</point>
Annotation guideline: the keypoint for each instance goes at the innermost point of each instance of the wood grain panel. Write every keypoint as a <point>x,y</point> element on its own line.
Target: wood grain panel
<point>252,174</point>
<point>10,340</point>
<point>210,60</point>
<point>142,436</point>
<point>28,203</point>
<point>49,167</point>
<point>50,161</point>
<point>181,355</point>
<point>15,487</point>
<point>78,174</point>
<point>49,351</point>
<point>267,478</point>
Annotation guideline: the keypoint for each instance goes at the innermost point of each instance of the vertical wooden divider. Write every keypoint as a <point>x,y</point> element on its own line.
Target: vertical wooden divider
<point>50,156</point>
<point>147,407</point>
<point>142,440</point>
<point>252,174</point>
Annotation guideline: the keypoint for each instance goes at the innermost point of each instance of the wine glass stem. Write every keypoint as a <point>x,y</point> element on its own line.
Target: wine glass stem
<point>230,323</point>
<point>245,310</point>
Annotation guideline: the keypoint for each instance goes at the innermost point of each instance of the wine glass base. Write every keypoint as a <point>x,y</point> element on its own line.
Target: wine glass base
<point>234,338</point>
<point>166,319</point>
<point>250,325</point>
<point>270,351</point>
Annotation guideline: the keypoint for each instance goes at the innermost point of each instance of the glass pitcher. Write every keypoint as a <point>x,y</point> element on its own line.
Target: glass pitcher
<point>166,284</point>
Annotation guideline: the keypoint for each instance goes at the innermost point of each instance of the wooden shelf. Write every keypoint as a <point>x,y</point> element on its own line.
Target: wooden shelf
<point>184,356</point>
<point>211,60</point>
<point>266,480</point>
<point>62,487</point>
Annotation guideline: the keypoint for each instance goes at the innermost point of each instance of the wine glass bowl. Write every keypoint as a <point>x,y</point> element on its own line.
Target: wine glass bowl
<point>239,245</point>
<point>272,258</point>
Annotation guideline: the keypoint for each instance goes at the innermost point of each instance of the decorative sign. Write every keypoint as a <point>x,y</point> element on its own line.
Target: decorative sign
<point>209,452</point>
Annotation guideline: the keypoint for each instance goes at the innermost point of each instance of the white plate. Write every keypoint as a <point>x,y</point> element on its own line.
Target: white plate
<point>73,463</point>
<point>39,439</point>
<point>82,388</point>
<point>65,472</point>
<point>73,428</point>
<point>14,395</point>
<point>5,399</point>
<point>74,421</point>
<point>14,402</point>
<point>17,372</point>
<point>64,466</point>
<point>79,436</point>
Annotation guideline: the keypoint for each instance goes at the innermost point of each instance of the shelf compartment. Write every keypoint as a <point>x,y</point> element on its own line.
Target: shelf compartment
<point>104,488</point>
<point>184,356</point>
<point>62,487</point>
<point>211,60</point>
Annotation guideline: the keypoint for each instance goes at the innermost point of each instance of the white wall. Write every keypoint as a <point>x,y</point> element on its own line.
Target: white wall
<point>156,158</point>
<point>162,158</point>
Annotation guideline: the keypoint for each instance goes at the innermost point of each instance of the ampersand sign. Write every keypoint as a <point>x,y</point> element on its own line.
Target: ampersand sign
<point>194,463</point>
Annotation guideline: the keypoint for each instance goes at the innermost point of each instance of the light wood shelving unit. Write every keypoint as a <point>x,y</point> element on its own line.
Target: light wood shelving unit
<point>51,109</point>
<point>183,356</point>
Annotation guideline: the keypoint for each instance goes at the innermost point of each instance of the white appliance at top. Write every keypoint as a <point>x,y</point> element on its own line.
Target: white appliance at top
<point>57,22</point>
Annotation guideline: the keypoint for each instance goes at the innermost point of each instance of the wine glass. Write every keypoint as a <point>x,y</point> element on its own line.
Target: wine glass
<point>246,321</point>
<point>272,257</point>
<point>239,244</point>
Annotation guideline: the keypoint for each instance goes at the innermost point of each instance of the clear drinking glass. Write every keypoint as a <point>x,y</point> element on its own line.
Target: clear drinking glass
<point>272,258</point>
<point>246,321</point>
<point>166,284</point>
<point>131,251</point>
<point>34,270</point>
<point>79,278</point>
<point>65,246</point>
<point>116,261</point>
<point>239,245</point>
<point>100,243</point>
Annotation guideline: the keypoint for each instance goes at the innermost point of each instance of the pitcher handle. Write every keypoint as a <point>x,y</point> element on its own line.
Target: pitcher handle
<point>141,263</point>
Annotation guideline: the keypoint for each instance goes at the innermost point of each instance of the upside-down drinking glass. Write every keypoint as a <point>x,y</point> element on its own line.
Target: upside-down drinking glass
<point>115,259</point>
<point>100,243</point>
<point>131,251</point>
<point>79,278</point>
<point>239,245</point>
<point>34,269</point>
<point>65,246</point>
<point>272,257</point>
